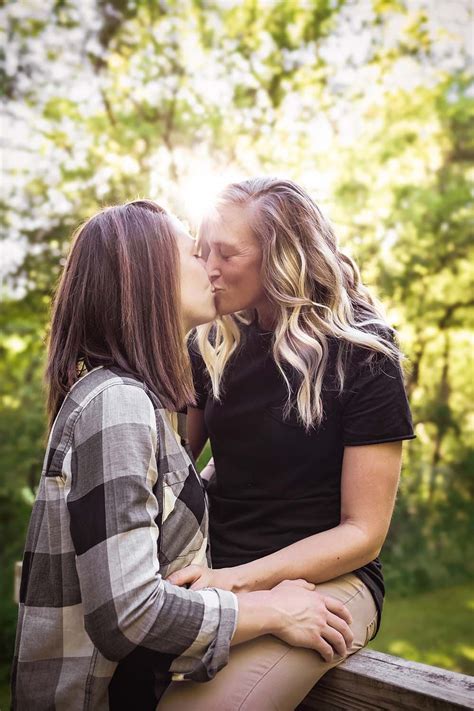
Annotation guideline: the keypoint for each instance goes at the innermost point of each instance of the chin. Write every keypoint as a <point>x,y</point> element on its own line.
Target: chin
<point>212,316</point>
<point>206,317</point>
<point>224,309</point>
<point>227,309</point>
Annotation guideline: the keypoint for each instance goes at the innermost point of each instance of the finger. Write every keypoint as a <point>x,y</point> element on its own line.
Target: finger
<point>336,640</point>
<point>185,576</point>
<point>199,584</point>
<point>337,608</point>
<point>324,649</point>
<point>303,584</point>
<point>342,627</point>
<point>300,583</point>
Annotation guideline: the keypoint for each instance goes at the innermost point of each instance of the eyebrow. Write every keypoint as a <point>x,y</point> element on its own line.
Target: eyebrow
<point>220,243</point>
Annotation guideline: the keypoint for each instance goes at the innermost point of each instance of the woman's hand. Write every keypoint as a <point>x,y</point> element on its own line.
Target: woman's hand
<point>301,616</point>
<point>305,618</point>
<point>198,577</point>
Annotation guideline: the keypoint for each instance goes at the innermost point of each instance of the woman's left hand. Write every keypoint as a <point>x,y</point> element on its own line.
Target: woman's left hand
<point>197,577</point>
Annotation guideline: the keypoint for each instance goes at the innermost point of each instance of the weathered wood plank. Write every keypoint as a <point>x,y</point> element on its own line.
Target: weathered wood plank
<point>372,680</point>
<point>17,581</point>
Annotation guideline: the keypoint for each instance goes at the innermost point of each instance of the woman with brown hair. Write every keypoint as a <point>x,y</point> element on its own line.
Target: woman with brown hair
<point>120,505</point>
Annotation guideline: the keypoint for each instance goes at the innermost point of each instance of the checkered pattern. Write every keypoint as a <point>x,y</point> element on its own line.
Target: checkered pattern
<point>119,507</point>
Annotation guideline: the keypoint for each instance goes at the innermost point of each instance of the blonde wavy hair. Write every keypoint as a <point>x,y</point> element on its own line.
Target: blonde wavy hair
<point>315,288</point>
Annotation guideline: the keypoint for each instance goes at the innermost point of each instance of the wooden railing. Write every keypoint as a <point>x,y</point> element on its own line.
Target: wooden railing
<point>371,680</point>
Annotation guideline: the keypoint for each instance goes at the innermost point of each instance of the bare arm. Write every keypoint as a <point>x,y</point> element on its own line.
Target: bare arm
<point>197,431</point>
<point>370,476</point>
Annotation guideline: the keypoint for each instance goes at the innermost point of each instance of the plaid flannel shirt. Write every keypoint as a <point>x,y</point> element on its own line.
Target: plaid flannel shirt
<point>120,506</point>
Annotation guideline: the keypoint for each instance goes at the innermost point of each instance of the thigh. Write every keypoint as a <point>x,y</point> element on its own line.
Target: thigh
<point>266,674</point>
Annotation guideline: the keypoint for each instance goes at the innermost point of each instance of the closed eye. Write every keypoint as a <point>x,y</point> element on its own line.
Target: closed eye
<point>225,255</point>
<point>202,248</point>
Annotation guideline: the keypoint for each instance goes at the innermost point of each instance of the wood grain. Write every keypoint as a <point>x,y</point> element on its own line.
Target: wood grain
<point>372,680</point>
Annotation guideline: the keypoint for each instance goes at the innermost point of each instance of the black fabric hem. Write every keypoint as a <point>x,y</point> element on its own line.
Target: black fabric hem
<point>398,438</point>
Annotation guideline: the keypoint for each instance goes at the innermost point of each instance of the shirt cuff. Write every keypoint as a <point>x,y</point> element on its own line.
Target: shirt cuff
<point>217,629</point>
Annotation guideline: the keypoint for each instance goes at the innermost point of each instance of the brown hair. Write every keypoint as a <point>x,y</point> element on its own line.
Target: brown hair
<point>118,304</point>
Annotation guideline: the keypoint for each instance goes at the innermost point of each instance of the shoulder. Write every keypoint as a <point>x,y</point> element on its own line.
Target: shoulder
<point>100,401</point>
<point>108,384</point>
<point>359,360</point>
<point>361,354</point>
<point>112,400</point>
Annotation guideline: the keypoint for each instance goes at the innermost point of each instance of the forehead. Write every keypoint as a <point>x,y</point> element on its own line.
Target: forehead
<point>229,225</point>
<point>182,235</point>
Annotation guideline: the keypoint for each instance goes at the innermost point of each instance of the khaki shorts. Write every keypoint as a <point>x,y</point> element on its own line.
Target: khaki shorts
<point>267,674</point>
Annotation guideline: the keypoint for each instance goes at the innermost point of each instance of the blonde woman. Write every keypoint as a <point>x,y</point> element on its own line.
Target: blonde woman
<point>301,393</point>
<point>119,504</point>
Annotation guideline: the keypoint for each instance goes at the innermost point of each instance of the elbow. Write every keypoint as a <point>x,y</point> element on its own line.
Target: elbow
<point>373,553</point>
<point>108,639</point>
<point>377,540</point>
<point>374,547</point>
<point>368,554</point>
<point>369,543</point>
<point>118,626</point>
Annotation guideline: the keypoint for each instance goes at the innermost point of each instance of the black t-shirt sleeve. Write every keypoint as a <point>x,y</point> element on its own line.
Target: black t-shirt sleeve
<point>200,377</point>
<point>376,408</point>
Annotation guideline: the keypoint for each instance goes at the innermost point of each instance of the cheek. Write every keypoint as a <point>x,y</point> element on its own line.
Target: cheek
<point>201,273</point>
<point>243,288</point>
<point>245,275</point>
<point>251,281</point>
<point>232,274</point>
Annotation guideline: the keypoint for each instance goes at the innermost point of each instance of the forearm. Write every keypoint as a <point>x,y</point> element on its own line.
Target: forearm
<point>197,431</point>
<point>317,558</point>
<point>126,602</point>
<point>256,616</point>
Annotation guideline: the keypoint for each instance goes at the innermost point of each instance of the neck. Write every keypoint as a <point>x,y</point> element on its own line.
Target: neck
<point>266,314</point>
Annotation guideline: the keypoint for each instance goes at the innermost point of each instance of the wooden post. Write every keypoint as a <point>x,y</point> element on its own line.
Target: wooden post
<point>17,581</point>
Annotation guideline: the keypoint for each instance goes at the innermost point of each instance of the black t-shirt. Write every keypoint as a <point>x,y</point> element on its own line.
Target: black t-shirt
<point>277,483</point>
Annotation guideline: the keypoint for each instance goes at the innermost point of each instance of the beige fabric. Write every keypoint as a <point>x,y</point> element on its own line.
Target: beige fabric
<point>266,674</point>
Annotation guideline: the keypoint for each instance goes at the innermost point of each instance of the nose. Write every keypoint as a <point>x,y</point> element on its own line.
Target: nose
<point>212,268</point>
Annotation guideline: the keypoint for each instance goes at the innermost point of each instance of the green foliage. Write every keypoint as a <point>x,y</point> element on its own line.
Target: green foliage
<point>15,507</point>
<point>431,628</point>
<point>369,105</point>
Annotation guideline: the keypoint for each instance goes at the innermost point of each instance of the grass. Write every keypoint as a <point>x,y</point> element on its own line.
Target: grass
<point>433,628</point>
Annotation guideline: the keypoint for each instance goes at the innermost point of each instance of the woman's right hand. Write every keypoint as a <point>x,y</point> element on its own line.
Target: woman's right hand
<point>305,618</point>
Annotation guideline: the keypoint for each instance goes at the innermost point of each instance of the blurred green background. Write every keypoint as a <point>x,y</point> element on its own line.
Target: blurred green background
<point>368,104</point>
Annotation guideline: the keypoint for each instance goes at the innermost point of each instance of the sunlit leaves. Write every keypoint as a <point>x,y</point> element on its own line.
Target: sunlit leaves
<point>367,103</point>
